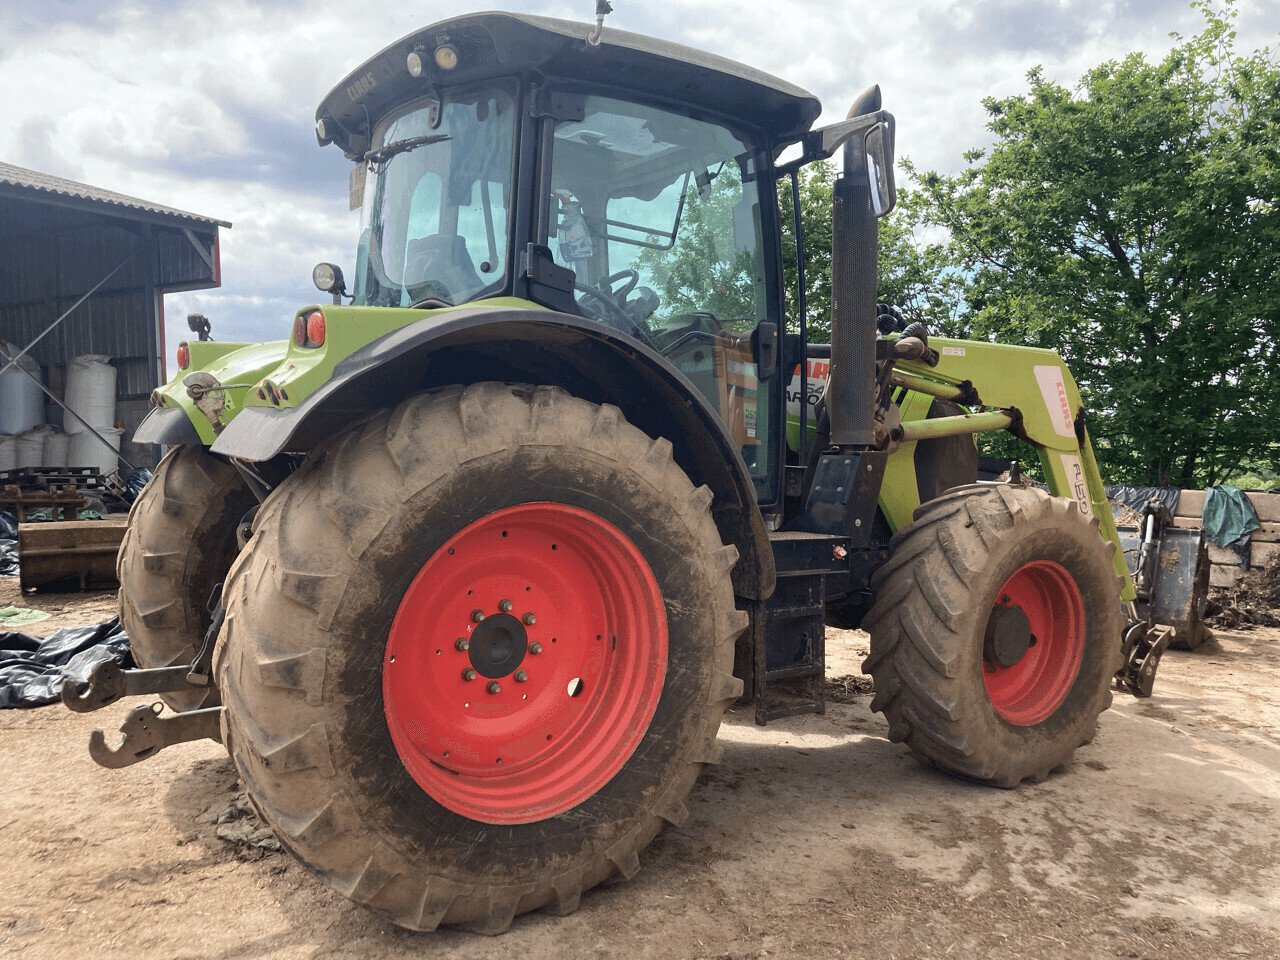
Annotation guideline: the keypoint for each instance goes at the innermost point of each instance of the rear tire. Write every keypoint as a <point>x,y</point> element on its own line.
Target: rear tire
<point>178,546</point>
<point>965,710</point>
<point>327,609</point>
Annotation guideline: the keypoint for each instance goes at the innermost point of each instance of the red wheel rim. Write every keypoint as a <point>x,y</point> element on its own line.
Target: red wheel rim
<point>1030,690</point>
<point>570,602</point>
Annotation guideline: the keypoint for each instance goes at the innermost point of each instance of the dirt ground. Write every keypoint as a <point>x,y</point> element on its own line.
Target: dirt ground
<point>815,838</point>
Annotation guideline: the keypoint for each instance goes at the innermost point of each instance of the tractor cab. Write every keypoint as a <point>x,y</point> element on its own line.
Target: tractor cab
<point>629,182</point>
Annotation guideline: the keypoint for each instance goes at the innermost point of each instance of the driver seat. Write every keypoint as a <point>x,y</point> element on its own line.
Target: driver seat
<point>443,260</point>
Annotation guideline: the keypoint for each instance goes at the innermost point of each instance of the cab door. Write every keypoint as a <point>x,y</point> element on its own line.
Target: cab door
<point>658,215</point>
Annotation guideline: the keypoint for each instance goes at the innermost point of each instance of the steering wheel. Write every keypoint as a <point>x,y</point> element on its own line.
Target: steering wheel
<point>609,306</point>
<point>621,295</point>
<point>612,303</point>
<point>612,300</point>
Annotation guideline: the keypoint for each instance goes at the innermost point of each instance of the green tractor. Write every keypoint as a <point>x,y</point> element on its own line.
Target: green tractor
<point>465,572</point>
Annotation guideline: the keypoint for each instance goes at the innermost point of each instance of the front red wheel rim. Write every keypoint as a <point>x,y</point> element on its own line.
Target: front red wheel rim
<point>525,663</point>
<point>1029,691</point>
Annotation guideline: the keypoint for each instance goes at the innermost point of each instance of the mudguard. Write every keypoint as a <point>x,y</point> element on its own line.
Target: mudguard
<point>513,344</point>
<point>167,426</point>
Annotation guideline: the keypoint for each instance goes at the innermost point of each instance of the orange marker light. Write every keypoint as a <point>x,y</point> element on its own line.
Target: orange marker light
<point>184,356</point>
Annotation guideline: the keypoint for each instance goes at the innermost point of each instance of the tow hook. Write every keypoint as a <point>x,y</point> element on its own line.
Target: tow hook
<point>146,733</point>
<point>1144,645</point>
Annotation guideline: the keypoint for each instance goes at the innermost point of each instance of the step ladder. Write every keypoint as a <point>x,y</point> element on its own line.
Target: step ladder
<point>789,629</point>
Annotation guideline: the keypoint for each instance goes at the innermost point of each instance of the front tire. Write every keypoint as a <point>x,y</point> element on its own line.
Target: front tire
<point>995,633</point>
<point>348,712</point>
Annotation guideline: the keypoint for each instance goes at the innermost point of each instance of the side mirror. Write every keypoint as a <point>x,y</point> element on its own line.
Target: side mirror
<point>328,279</point>
<point>867,138</point>
<point>878,148</point>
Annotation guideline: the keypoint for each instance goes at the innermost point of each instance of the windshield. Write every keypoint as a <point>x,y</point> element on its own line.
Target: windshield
<point>657,213</point>
<point>435,225</point>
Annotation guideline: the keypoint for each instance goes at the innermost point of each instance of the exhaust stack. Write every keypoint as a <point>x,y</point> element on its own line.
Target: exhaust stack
<point>851,398</point>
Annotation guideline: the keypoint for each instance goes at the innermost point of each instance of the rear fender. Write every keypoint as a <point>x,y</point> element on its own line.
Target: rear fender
<point>516,345</point>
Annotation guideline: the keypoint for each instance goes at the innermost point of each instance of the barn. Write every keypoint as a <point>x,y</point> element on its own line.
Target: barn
<point>83,274</point>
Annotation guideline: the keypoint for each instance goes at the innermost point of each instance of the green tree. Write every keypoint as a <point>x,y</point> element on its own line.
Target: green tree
<point>916,274</point>
<point>703,271</point>
<point>1133,224</point>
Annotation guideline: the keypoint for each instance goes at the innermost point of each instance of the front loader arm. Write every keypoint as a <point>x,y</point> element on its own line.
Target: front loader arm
<point>1049,416</point>
<point>1041,401</point>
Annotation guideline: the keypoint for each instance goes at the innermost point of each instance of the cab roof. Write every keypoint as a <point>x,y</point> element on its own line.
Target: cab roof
<point>494,44</point>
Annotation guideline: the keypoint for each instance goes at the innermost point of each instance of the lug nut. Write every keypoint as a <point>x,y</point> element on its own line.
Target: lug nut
<point>504,606</point>
<point>468,674</point>
<point>521,676</point>
<point>477,616</point>
<point>529,619</point>
<point>494,686</point>
<point>462,643</point>
<point>535,647</point>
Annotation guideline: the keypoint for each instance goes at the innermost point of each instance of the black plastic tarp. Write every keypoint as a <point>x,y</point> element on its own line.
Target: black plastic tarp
<point>1138,497</point>
<point>32,670</point>
<point>8,545</point>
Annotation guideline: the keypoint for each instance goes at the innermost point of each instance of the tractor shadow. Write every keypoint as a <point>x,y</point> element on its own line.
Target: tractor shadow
<point>830,787</point>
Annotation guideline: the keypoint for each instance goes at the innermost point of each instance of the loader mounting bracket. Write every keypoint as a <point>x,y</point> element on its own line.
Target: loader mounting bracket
<point>201,670</point>
<point>145,733</point>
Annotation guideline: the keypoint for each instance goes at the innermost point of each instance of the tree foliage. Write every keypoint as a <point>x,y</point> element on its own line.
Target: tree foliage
<point>703,270</point>
<point>916,275</point>
<point>1133,225</point>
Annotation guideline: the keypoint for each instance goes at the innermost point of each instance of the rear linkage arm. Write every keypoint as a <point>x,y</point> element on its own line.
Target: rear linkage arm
<point>145,732</point>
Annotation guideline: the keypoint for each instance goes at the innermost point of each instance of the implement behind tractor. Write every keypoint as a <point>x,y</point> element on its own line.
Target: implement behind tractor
<point>465,572</point>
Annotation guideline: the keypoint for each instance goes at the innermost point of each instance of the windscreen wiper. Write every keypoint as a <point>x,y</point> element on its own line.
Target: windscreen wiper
<point>385,153</point>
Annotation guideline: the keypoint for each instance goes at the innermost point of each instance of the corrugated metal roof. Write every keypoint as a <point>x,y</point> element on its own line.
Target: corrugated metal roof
<point>46,183</point>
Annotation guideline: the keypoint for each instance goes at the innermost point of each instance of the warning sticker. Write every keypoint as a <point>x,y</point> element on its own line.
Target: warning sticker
<point>1054,391</point>
<point>953,351</point>
<point>1075,480</point>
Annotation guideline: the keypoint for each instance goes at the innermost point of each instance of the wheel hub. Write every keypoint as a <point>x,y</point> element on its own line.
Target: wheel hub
<point>1008,636</point>
<point>1034,642</point>
<point>498,646</point>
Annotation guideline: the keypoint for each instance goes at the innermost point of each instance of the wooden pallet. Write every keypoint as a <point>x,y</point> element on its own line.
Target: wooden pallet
<point>79,555</point>
<point>62,502</point>
<point>51,478</point>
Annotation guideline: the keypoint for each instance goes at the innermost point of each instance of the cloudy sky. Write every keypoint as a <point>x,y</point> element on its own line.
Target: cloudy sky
<point>208,106</point>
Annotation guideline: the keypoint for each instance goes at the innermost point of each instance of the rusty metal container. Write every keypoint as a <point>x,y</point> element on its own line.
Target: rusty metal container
<point>69,555</point>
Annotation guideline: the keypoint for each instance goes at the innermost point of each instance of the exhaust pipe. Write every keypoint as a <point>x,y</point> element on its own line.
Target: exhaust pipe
<point>851,390</point>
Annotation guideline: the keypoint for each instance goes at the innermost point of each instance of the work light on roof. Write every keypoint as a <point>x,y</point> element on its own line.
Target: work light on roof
<point>446,57</point>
